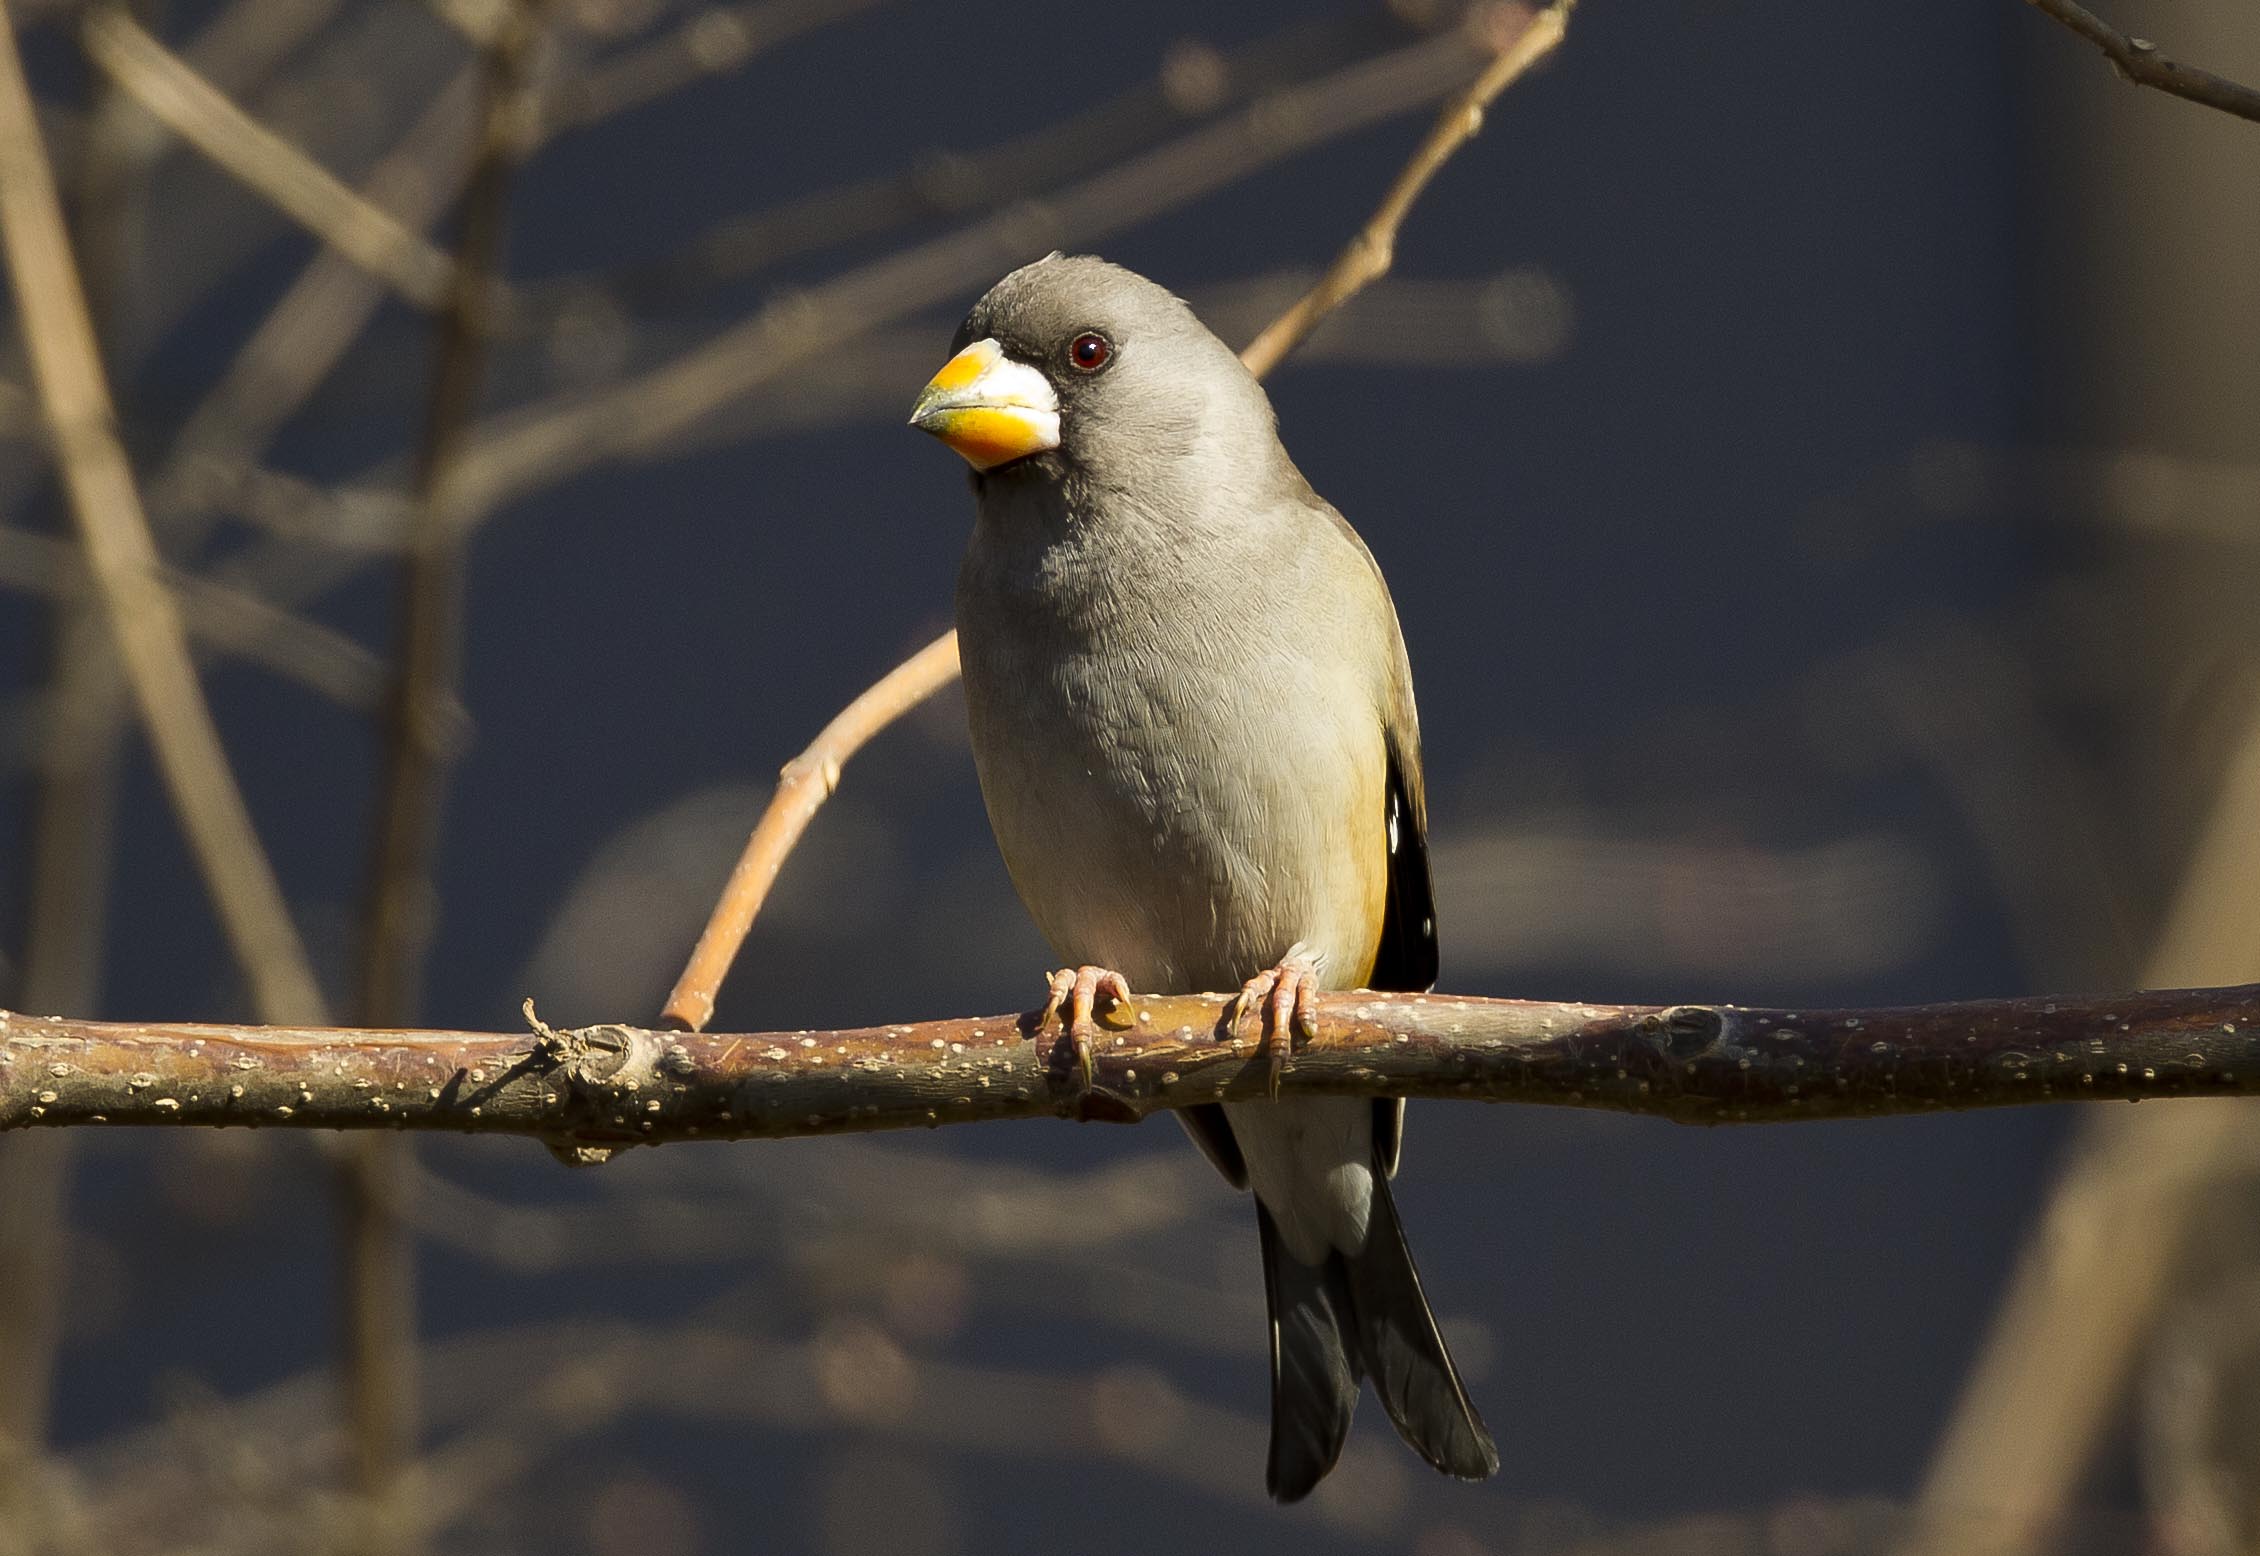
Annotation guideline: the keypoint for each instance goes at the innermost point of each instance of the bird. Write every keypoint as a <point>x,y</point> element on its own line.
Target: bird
<point>1191,716</point>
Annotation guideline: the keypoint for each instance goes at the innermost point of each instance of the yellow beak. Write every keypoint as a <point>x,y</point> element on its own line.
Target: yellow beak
<point>988,407</point>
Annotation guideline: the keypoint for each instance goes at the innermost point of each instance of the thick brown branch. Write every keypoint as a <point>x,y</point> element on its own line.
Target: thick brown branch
<point>2138,60</point>
<point>592,1091</point>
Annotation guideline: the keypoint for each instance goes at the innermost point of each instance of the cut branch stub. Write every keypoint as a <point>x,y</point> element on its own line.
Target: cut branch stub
<point>590,1091</point>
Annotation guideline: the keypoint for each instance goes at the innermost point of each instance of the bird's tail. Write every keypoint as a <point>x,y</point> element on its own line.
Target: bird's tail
<point>1360,1315</point>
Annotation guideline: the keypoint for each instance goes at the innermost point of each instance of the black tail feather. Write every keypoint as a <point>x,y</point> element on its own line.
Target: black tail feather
<point>1349,1318</point>
<point>1314,1371</point>
<point>1401,1350</point>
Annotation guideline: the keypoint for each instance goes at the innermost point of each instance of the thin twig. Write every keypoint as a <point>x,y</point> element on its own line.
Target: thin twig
<point>294,648</point>
<point>1366,258</point>
<point>596,1090</point>
<point>294,348</point>
<point>794,806</point>
<point>2138,60</point>
<point>123,560</point>
<point>802,788</point>
<point>417,726</point>
<point>713,40</point>
<point>263,161</point>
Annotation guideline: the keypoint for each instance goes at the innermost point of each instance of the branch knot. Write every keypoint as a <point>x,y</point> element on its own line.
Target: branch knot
<point>1686,1031</point>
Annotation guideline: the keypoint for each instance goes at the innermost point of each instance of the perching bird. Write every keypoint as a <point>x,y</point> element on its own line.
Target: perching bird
<point>1193,721</point>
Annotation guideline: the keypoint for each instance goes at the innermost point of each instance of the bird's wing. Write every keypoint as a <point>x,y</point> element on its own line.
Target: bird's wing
<point>1406,958</point>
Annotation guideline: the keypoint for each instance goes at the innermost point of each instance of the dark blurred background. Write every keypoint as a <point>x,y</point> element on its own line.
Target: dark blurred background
<point>1812,452</point>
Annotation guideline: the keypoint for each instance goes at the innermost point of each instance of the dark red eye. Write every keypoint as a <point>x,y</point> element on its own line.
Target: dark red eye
<point>1089,352</point>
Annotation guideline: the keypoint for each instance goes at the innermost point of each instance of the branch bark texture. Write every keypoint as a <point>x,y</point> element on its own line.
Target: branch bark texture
<point>2138,60</point>
<point>591,1091</point>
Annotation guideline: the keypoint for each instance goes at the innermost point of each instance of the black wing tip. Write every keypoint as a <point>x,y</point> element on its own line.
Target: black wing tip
<point>1407,958</point>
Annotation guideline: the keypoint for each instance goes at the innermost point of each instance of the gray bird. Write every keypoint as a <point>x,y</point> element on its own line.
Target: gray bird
<point>1193,721</point>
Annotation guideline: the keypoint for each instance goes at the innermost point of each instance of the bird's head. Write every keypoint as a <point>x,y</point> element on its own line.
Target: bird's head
<point>1075,364</point>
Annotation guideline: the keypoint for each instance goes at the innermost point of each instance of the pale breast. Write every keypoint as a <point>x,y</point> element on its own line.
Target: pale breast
<point>1179,795</point>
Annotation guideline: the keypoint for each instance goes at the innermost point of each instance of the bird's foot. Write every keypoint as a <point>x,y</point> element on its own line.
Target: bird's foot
<point>1281,999</point>
<point>1074,996</point>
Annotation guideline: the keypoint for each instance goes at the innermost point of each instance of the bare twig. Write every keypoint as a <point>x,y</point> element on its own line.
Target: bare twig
<point>286,358</point>
<point>418,730</point>
<point>2138,60</point>
<point>239,49</point>
<point>263,161</point>
<point>798,795</point>
<point>1368,255</point>
<point>713,40</point>
<point>295,648</point>
<point>593,1091</point>
<point>805,784</point>
<point>68,370</point>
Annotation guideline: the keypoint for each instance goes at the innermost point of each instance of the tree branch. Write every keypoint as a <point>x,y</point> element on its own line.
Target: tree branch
<point>2138,60</point>
<point>291,647</point>
<point>590,1092</point>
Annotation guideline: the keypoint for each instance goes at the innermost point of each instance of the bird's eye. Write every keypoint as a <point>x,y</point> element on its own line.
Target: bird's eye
<point>1089,352</point>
